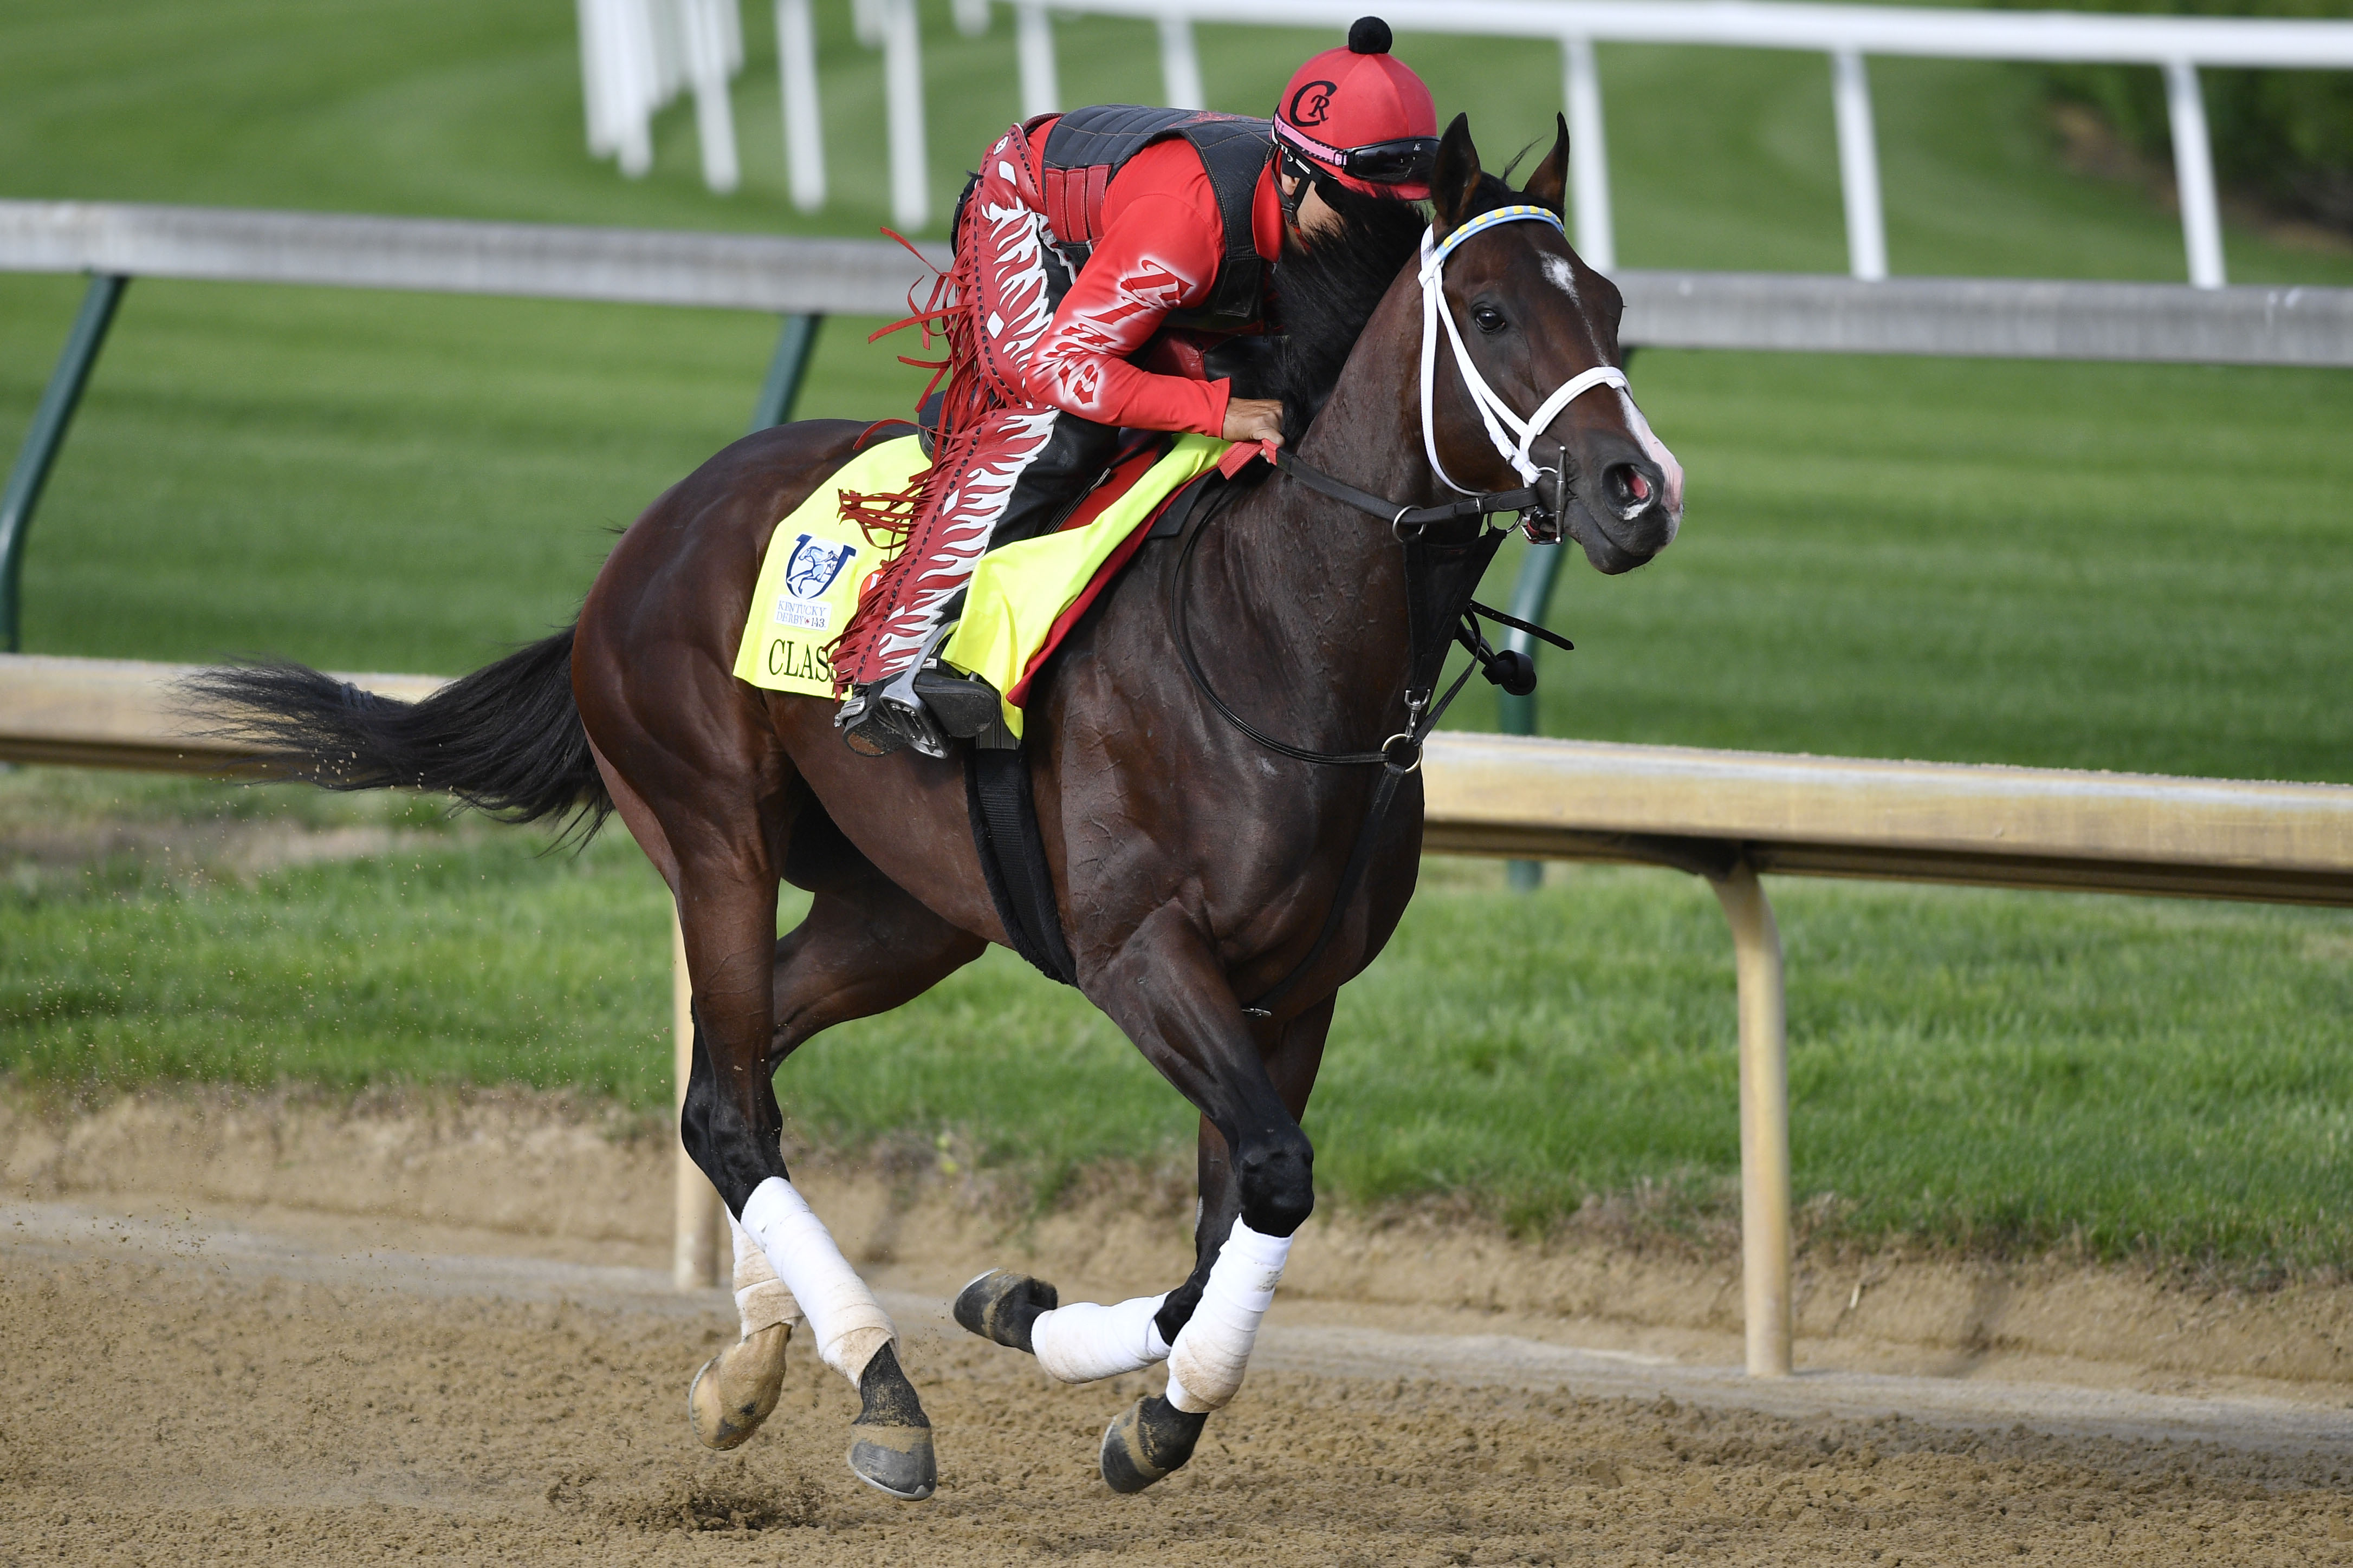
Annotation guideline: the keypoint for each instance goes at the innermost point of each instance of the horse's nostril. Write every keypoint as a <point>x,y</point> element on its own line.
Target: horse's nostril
<point>1630,489</point>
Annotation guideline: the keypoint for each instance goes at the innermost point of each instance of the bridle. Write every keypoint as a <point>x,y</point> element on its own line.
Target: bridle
<point>1440,576</point>
<point>1493,412</point>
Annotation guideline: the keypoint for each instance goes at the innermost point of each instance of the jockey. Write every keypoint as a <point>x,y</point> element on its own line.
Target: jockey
<point>1098,254</point>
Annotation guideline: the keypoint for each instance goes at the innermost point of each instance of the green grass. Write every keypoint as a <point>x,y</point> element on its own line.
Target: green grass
<point>1999,1071</point>
<point>2119,566</point>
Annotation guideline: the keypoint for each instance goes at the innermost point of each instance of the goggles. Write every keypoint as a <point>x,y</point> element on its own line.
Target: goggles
<point>1407,161</point>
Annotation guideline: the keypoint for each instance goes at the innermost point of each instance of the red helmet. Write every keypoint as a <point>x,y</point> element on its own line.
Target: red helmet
<point>1359,115</point>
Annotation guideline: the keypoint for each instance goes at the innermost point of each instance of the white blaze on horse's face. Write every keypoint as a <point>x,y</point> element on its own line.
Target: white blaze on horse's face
<point>1622,489</point>
<point>1562,274</point>
<point>1656,452</point>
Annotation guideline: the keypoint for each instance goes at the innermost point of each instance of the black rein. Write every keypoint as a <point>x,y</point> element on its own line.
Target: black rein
<point>1432,623</point>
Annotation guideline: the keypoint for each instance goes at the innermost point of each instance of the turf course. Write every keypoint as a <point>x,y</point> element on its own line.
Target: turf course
<point>2142,567</point>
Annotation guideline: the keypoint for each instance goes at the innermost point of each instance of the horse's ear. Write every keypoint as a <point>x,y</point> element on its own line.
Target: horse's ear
<point>1548,186</point>
<point>1454,178</point>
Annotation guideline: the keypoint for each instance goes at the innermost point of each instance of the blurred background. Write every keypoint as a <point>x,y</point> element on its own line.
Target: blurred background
<point>2141,567</point>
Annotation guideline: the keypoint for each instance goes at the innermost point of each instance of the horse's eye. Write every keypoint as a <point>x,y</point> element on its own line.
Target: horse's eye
<point>1488,318</point>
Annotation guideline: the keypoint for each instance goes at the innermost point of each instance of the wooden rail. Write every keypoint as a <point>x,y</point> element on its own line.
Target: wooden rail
<point>1725,815</point>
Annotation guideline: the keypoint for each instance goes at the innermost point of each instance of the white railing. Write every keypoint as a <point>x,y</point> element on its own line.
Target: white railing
<point>636,55</point>
<point>2011,318</point>
<point>2179,45</point>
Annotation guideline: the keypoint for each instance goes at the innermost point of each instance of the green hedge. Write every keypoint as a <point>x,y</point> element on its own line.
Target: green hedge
<point>2283,136</point>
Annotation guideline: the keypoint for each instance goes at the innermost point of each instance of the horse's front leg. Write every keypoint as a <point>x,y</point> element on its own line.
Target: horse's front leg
<point>732,1125</point>
<point>1166,989</point>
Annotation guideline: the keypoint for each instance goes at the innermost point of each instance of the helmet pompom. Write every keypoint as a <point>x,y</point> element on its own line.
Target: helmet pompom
<point>1369,36</point>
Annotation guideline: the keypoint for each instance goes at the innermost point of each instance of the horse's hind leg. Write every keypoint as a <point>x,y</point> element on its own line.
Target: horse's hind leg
<point>719,800</point>
<point>865,947</point>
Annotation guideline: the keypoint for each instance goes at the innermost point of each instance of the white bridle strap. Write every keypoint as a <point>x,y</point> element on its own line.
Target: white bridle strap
<point>1493,412</point>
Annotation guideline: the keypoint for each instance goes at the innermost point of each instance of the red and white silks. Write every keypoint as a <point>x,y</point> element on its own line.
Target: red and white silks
<point>1020,358</point>
<point>996,306</point>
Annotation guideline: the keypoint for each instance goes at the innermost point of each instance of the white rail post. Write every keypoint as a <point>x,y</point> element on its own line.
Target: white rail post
<point>625,51</point>
<point>803,133</point>
<point>1589,156</point>
<point>1180,63</point>
<point>594,81</point>
<point>1034,41</point>
<point>972,17</point>
<point>1764,1253</point>
<point>2193,169</point>
<point>707,32</point>
<point>903,81</point>
<point>870,21</point>
<point>699,1221</point>
<point>1866,228</point>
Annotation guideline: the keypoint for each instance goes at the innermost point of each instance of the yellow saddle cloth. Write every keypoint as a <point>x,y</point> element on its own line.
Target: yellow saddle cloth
<point>818,564</point>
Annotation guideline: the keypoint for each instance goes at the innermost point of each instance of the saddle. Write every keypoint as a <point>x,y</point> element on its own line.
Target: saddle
<point>1023,601</point>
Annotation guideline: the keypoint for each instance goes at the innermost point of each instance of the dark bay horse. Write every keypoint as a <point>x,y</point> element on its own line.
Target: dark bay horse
<point>1192,868</point>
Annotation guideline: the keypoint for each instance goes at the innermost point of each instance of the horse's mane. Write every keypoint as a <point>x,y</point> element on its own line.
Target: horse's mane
<point>1328,292</point>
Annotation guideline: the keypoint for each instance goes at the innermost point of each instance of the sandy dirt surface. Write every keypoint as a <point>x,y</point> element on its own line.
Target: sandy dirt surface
<point>189,1383</point>
<point>574,1183</point>
<point>199,1389</point>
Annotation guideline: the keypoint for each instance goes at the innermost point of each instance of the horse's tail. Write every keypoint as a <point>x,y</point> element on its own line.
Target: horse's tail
<point>506,740</point>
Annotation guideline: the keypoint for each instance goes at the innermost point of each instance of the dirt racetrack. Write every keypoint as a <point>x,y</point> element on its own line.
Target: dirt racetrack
<point>219,1382</point>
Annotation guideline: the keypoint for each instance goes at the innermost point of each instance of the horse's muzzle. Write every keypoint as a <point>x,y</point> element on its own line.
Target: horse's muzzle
<point>1623,518</point>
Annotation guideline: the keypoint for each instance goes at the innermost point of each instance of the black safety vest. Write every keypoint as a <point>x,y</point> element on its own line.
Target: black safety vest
<point>1088,147</point>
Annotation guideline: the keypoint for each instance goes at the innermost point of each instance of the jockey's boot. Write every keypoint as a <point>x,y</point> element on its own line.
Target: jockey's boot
<point>876,720</point>
<point>964,705</point>
<point>924,706</point>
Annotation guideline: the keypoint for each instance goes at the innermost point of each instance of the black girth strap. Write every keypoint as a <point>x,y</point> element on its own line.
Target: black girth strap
<point>1013,857</point>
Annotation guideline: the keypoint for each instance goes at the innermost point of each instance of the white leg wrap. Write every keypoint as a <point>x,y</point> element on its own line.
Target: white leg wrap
<point>761,1298</point>
<point>847,1323</point>
<point>1206,1364</point>
<point>1082,1341</point>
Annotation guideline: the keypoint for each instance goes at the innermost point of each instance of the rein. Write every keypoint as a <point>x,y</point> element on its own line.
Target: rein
<point>1440,576</point>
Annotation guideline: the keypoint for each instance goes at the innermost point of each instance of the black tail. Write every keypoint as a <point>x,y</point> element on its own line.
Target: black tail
<point>505,740</point>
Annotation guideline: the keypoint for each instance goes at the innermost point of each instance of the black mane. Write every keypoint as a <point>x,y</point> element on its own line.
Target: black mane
<point>1326,294</point>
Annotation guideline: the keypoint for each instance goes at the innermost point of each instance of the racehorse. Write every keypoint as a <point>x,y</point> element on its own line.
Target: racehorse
<point>1193,868</point>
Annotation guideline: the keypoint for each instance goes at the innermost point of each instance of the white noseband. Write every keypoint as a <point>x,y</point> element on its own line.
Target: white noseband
<point>1492,410</point>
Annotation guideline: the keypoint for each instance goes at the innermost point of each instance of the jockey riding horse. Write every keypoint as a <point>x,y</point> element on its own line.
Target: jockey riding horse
<point>1107,261</point>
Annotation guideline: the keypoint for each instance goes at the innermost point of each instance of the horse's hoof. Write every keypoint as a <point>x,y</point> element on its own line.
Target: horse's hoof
<point>1147,1441</point>
<point>1003,1306</point>
<point>890,1442</point>
<point>737,1389</point>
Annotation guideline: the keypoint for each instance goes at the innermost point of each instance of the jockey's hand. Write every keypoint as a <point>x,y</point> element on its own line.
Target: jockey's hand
<point>1254,420</point>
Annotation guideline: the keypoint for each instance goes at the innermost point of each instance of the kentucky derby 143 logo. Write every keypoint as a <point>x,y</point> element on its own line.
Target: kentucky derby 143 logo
<point>810,571</point>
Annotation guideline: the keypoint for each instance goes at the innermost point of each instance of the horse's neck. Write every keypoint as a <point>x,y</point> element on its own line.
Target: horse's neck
<point>1317,586</point>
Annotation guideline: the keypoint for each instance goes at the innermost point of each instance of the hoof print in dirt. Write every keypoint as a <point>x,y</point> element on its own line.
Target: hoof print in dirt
<point>1147,1441</point>
<point>738,1388</point>
<point>1003,1307</point>
<point>890,1441</point>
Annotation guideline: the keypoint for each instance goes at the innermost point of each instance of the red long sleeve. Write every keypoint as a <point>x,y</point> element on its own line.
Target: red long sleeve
<point>1161,240</point>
